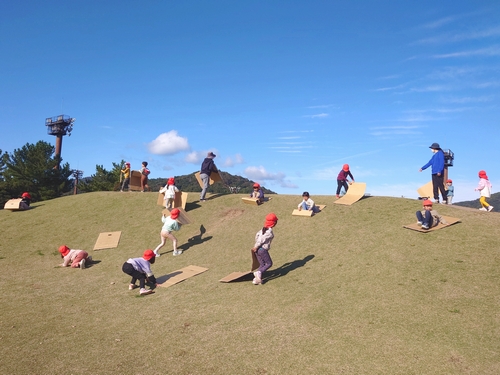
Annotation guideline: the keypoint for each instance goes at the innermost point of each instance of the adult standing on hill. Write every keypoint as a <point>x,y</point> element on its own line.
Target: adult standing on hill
<point>437,169</point>
<point>207,167</point>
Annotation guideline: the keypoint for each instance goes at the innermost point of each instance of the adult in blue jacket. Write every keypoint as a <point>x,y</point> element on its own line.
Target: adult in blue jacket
<point>437,169</point>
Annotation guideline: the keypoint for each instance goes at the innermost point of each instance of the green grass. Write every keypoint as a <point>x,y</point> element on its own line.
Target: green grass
<point>350,292</point>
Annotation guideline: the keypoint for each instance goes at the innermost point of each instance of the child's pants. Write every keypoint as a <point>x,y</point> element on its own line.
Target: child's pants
<point>427,219</point>
<point>81,255</point>
<point>136,275</point>
<point>483,202</point>
<point>342,184</point>
<point>264,259</point>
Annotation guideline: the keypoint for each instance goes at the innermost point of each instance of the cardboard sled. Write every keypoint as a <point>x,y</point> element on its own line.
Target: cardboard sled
<point>449,219</point>
<point>179,200</point>
<point>107,240</point>
<point>214,177</point>
<point>135,181</point>
<point>183,217</point>
<point>13,204</point>
<point>238,275</point>
<point>355,192</point>
<point>179,275</point>
<point>252,201</point>
<point>425,191</point>
<point>307,213</point>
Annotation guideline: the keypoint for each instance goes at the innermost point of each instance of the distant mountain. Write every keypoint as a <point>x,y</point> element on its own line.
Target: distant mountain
<point>233,184</point>
<point>494,201</point>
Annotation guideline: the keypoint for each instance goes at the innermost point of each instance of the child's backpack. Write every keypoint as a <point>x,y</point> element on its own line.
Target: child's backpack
<point>146,172</point>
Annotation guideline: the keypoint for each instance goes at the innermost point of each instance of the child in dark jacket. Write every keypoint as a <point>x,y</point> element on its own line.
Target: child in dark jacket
<point>342,181</point>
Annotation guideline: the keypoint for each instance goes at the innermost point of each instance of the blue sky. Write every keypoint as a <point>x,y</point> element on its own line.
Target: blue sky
<point>284,92</point>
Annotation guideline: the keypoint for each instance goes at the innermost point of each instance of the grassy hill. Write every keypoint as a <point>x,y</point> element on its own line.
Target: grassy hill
<point>350,292</point>
<point>494,201</point>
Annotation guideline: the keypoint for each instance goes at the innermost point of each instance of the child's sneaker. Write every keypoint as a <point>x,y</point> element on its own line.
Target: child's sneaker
<point>419,223</point>
<point>82,264</point>
<point>177,252</point>
<point>257,280</point>
<point>157,255</point>
<point>338,196</point>
<point>425,226</point>
<point>490,208</point>
<point>483,209</point>
<point>145,292</point>
<point>131,286</point>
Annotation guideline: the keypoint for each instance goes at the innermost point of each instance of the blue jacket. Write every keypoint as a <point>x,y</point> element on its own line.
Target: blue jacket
<point>437,162</point>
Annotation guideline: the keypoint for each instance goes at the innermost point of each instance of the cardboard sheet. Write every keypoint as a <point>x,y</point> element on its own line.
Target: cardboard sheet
<point>425,191</point>
<point>183,216</point>
<point>214,177</point>
<point>449,219</point>
<point>179,275</point>
<point>238,275</point>
<point>12,204</point>
<point>179,200</point>
<point>107,240</point>
<point>135,181</point>
<point>252,201</point>
<point>307,213</point>
<point>355,192</point>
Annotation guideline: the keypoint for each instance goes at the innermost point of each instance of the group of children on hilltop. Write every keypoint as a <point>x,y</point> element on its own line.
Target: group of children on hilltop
<point>125,171</point>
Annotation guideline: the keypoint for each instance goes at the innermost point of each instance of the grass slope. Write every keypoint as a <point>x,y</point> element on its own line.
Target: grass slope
<point>350,292</point>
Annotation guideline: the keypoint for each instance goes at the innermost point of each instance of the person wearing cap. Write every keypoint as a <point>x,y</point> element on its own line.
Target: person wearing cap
<point>428,218</point>
<point>25,201</point>
<point>170,224</point>
<point>342,181</point>
<point>450,191</point>
<point>169,191</point>
<point>126,177</point>
<point>140,269</point>
<point>144,176</point>
<point>207,167</point>
<point>257,193</point>
<point>307,203</point>
<point>484,187</point>
<point>263,240</point>
<point>77,258</point>
<point>437,170</point>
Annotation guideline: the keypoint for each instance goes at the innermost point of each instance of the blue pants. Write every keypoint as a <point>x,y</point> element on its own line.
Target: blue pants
<point>314,209</point>
<point>264,259</point>
<point>425,220</point>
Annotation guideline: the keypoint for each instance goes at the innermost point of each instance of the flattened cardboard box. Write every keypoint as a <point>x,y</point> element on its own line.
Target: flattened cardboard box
<point>179,200</point>
<point>13,204</point>
<point>183,216</point>
<point>179,275</point>
<point>238,275</point>
<point>214,177</point>
<point>425,191</point>
<point>107,240</point>
<point>308,213</point>
<point>355,192</point>
<point>449,219</point>
<point>135,181</point>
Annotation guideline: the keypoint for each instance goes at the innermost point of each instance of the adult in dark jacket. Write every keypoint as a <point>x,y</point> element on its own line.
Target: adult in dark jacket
<point>437,169</point>
<point>207,167</point>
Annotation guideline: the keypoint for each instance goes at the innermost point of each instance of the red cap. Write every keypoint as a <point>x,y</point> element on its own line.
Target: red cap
<point>256,185</point>
<point>26,195</point>
<point>148,254</point>
<point>427,202</point>
<point>64,250</point>
<point>174,214</point>
<point>482,174</point>
<point>271,220</point>
<point>171,181</point>
<point>345,167</point>
<point>449,181</point>
<point>127,163</point>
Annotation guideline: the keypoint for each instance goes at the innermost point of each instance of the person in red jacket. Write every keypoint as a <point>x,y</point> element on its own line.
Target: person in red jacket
<point>342,181</point>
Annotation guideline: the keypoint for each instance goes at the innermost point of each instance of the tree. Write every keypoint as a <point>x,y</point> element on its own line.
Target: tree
<point>32,168</point>
<point>103,180</point>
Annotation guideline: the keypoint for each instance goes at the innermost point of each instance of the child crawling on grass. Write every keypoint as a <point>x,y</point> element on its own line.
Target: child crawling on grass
<point>428,218</point>
<point>140,269</point>
<point>77,258</point>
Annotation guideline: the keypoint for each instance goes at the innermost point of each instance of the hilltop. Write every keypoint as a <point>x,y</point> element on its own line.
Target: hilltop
<point>494,201</point>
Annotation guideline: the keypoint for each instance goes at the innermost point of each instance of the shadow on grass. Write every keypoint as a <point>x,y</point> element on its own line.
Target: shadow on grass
<point>197,204</point>
<point>195,240</point>
<point>286,268</point>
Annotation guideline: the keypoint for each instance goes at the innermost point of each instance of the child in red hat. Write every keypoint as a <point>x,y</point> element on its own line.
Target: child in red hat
<point>263,240</point>
<point>428,218</point>
<point>484,187</point>
<point>126,177</point>
<point>257,193</point>
<point>170,224</point>
<point>169,190</point>
<point>77,258</point>
<point>140,269</point>
<point>342,181</point>
<point>450,191</point>
<point>25,201</point>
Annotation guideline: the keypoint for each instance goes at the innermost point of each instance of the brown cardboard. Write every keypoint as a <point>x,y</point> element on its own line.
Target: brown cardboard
<point>135,181</point>
<point>13,204</point>
<point>179,275</point>
<point>214,177</point>
<point>183,216</point>
<point>179,200</point>
<point>238,275</point>
<point>307,213</point>
<point>107,240</point>
<point>252,201</point>
<point>426,190</point>
<point>449,219</point>
<point>355,192</point>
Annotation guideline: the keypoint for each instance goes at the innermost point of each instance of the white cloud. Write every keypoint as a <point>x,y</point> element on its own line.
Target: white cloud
<point>168,144</point>
<point>260,174</point>
<point>319,115</point>
<point>490,51</point>
<point>196,157</point>
<point>231,161</point>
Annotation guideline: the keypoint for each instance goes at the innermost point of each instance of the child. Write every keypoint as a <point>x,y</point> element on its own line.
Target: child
<point>484,187</point>
<point>257,193</point>
<point>126,177</point>
<point>429,218</point>
<point>140,269</point>
<point>307,203</point>
<point>169,190</point>
<point>78,258</point>
<point>342,179</point>
<point>144,176</point>
<point>170,224</point>
<point>451,191</point>
<point>263,240</point>
<point>25,201</point>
